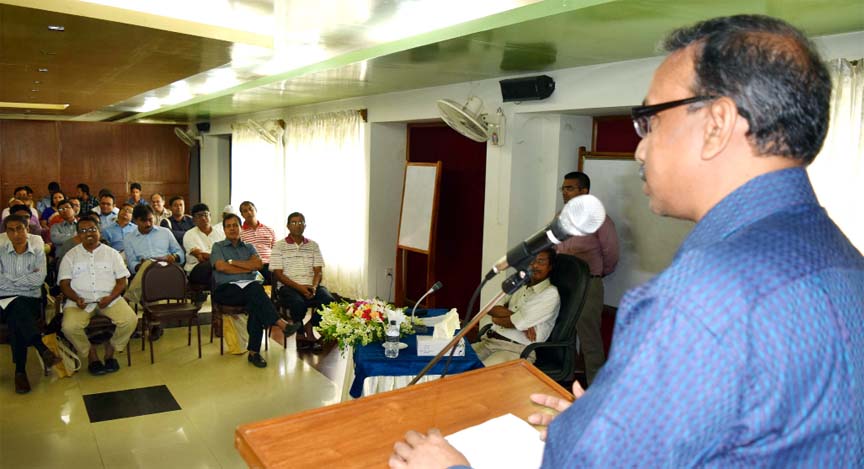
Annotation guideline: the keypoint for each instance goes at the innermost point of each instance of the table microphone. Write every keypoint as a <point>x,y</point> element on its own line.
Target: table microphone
<point>582,215</point>
<point>432,290</point>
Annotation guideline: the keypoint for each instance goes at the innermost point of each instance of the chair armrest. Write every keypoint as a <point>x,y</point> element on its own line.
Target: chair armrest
<point>531,347</point>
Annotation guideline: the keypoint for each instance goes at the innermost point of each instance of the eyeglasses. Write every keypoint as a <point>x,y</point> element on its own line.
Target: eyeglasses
<point>569,188</point>
<point>297,223</point>
<point>202,215</point>
<point>642,114</point>
<point>88,230</point>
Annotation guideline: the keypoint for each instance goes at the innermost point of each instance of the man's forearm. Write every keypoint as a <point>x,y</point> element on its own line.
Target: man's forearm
<point>249,264</point>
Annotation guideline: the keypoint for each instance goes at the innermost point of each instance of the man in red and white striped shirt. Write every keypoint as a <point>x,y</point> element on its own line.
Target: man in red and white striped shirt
<point>257,234</point>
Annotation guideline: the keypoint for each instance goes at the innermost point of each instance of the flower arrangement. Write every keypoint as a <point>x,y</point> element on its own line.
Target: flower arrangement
<point>360,322</point>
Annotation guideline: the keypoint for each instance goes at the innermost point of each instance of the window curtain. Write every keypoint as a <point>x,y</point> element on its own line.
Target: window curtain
<point>326,179</point>
<point>257,173</point>
<point>838,171</point>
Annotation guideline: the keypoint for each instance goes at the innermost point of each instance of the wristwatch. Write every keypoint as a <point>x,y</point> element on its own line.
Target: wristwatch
<point>230,261</point>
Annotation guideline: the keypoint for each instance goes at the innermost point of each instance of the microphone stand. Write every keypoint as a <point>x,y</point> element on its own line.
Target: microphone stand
<point>509,286</point>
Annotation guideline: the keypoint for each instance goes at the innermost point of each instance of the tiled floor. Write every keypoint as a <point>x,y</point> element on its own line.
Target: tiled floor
<point>50,428</point>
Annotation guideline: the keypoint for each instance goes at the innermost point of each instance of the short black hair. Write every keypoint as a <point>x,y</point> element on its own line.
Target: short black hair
<point>19,189</point>
<point>247,202</point>
<point>295,214</point>
<point>134,186</point>
<point>127,204</point>
<point>20,207</point>
<point>84,188</point>
<point>91,217</point>
<point>53,186</point>
<point>199,208</point>
<point>175,199</point>
<point>580,177</point>
<point>29,190</point>
<point>104,191</point>
<point>772,72</point>
<point>63,202</point>
<point>16,218</point>
<point>103,194</point>
<point>229,216</point>
<point>140,212</point>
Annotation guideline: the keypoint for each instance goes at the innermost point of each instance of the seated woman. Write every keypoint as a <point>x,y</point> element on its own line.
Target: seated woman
<point>56,198</point>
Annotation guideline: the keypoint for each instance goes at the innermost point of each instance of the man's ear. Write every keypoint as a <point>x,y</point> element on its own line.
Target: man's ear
<point>722,115</point>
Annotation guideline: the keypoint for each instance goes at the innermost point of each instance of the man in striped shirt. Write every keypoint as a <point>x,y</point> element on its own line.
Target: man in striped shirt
<point>259,235</point>
<point>297,264</point>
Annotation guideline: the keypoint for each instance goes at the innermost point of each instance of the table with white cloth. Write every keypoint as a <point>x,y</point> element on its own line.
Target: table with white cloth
<point>372,372</point>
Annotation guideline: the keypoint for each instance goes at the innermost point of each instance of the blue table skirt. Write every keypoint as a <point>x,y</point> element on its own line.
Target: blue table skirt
<point>369,360</point>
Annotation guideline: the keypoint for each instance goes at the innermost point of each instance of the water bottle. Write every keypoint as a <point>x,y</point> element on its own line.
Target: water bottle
<point>391,344</point>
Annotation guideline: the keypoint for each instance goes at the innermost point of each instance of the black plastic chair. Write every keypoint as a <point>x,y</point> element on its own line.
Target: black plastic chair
<point>218,310</point>
<point>164,296</point>
<point>556,356</point>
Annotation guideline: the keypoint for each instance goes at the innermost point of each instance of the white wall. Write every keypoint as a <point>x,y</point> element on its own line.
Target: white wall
<point>215,172</point>
<point>522,175</point>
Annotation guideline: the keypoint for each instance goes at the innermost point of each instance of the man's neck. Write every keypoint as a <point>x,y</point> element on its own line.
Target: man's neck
<point>253,222</point>
<point>235,242</point>
<point>178,218</point>
<point>91,248</point>
<point>207,230</point>
<point>297,239</point>
<point>122,223</point>
<point>20,248</point>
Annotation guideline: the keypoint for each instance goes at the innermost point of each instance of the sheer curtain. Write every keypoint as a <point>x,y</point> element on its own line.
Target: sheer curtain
<point>326,179</point>
<point>258,174</point>
<point>838,171</point>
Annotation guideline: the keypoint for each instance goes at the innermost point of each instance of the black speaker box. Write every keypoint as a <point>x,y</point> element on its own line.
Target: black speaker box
<point>203,127</point>
<point>527,88</point>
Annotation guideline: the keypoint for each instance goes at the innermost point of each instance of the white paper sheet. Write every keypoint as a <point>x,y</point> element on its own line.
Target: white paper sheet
<point>500,443</point>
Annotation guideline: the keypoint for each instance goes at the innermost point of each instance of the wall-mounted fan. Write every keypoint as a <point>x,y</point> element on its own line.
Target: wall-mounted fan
<point>266,135</point>
<point>470,120</point>
<point>189,137</point>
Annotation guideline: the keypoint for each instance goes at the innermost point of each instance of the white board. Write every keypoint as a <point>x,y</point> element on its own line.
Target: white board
<point>418,200</point>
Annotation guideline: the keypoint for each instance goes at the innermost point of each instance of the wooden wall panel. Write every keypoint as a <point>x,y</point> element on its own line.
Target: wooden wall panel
<point>31,156</point>
<point>101,155</point>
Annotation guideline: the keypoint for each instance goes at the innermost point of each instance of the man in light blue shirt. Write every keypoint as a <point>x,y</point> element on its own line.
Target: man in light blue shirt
<point>106,210</point>
<point>150,241</point>
<point>116,232</point>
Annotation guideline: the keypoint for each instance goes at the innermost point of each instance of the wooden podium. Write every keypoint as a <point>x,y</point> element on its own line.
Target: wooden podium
<point>361,433</point>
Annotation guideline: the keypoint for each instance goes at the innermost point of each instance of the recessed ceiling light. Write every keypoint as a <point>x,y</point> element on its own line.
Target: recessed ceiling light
<point>56,27</point>
<point>45,106</point>
<point>36,82</point>
<point>34,90</point>
<point>42,70</point>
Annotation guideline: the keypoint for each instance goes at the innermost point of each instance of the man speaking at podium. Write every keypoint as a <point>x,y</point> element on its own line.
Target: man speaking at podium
<point>748,350</point>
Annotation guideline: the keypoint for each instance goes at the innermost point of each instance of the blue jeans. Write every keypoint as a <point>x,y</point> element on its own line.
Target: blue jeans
<point>297,303</point>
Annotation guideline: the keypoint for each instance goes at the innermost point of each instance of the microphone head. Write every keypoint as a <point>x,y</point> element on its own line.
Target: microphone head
<point>436,287</point>
<point>582,215</point>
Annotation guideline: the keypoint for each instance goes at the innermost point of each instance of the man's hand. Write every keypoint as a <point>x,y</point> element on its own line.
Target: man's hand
<point>308,291</point>
<point>105,301</point>
<point>425,451</point>
<point>80,302</point>
<point>170,258</point>
<point>555,403</point>
<point>531,333</point>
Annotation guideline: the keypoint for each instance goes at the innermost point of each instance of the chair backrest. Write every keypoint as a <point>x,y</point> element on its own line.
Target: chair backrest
<point>571,276</point>
<point>163,281</point>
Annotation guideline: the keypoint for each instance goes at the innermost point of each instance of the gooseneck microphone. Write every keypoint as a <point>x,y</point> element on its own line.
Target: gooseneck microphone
<point>582,215</point>
<point>432,290</point>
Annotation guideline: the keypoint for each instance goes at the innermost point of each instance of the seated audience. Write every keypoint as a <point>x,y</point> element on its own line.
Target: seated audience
<point>92,277</point>
<point>88,202</point>
<point>148,243</point>
<point>21,197</point>
<point>259,235</point>
<point>135,197</point>
<point>159,210</point>
<point>198,242</point>
<point>24,211</point>
<point>236,267</point>
<point>114,233</point>
<point>298,266</point>
<point>48,201</point>
<point>65,229</point>
<point>526,317</point>
<point>107,211</point>
<point>22,272</point>
<point>50,210</point>
<point>179,223</point>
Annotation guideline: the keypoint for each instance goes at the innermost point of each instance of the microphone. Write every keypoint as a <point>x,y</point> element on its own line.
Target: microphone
<point>436,287</point>
<point>582,215</point>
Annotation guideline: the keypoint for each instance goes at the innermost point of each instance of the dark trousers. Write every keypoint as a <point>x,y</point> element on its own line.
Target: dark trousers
<point>297,303</point>
<point>201,274</point>
<point>265,272</point>
<point>253,297</point>
<point>20,317</point>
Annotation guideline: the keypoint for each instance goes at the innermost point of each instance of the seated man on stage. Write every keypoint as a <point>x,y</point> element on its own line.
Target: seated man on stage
<point>198,243</point>
<point>116,232</point>
<point>22,272</point>
<point>297,264</point>
<point>526,317</point>
<point>236,266</point>
<point>93,277</point>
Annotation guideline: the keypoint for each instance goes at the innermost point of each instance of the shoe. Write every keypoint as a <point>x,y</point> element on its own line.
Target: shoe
<point>112,365</point>
<point>257,360</point>
<point>96,368</point>
<point>199,298</point>
<point>292,328</point>
<point>49,358</point>
<point>22,384</point>
<point>156,333</point>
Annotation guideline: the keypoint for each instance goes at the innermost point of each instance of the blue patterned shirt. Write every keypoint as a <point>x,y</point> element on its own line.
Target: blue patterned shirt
<point>747,351</point>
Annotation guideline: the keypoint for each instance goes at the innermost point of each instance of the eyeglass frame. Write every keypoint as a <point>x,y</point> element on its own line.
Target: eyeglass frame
<point>643,114</point>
